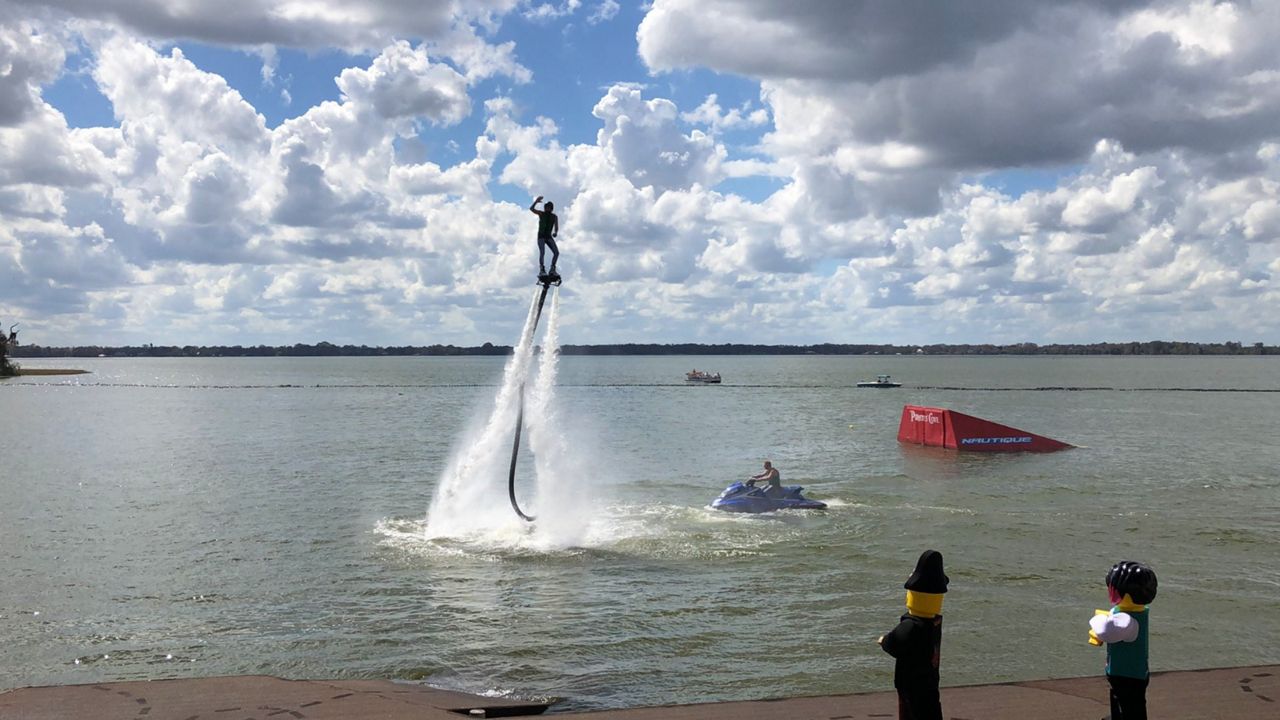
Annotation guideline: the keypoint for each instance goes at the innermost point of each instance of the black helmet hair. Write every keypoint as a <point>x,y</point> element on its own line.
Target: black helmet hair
<point>1133,579</point>
<point>549,205</point>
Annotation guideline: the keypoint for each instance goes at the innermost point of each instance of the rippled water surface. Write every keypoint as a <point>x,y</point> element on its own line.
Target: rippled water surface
<point>197,517</point>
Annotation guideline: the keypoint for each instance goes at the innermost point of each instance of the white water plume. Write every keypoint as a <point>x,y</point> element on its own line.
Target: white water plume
<point>471,501</point>
<point>562,469</point>
<point>471,497</point>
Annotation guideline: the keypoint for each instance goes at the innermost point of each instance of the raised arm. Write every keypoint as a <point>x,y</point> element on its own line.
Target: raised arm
<point>535,204</point>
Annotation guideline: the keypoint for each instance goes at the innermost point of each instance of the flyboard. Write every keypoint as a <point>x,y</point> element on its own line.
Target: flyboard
<point>546,280</point>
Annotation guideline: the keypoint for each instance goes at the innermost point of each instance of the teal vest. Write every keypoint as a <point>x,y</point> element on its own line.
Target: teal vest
<point>1129,659</point>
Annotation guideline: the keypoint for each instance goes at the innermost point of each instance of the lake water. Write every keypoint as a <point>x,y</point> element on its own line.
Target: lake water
<point>197,517</point>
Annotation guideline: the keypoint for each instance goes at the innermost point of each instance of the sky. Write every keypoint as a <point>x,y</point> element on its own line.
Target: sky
<point>762,171</point>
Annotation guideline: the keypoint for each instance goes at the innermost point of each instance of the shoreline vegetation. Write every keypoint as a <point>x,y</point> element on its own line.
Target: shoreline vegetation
<point>327,349</point>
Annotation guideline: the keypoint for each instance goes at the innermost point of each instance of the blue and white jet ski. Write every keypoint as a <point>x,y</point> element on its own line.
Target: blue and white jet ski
<point>744,498</point>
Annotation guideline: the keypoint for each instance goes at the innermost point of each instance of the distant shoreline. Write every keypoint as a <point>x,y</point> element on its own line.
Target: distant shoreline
<point>326,349</point>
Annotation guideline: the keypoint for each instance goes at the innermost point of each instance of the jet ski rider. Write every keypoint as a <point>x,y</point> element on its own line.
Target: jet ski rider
<point>772,477</point>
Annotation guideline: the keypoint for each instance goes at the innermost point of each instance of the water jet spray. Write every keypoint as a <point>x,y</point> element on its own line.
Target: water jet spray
<point>546,281</point>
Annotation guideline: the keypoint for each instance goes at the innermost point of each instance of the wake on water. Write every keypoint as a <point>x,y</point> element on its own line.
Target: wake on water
<point>471,501</point>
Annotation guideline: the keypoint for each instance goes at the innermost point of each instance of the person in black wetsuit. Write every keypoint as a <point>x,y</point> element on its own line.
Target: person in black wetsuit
<point>548,229</point>
<point>916,643</point>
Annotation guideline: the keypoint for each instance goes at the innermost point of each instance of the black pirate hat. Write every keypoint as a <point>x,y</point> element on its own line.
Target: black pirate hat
<point>928,576</point>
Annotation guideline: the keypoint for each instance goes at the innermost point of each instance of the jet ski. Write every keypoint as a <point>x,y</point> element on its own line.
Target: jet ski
<point>744,498</point>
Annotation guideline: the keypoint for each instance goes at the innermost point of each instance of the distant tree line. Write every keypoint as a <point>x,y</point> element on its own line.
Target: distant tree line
<point>321,349</point>
<point>327,349</point>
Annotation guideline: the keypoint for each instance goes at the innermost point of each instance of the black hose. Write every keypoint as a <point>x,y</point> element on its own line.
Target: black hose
<point>515,445</point>
<point>515,450</point>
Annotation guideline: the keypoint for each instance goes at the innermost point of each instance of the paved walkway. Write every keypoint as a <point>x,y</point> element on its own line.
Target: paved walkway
<point>1245,692</point>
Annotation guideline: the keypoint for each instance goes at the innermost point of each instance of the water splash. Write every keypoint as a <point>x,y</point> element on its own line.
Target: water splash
<point>563,469</point>
<point>471,502</point>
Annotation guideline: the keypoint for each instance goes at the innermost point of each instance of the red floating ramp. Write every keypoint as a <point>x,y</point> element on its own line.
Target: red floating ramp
<point>940,427</point>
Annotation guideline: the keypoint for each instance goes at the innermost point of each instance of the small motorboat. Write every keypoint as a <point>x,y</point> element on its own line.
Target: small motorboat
<point>745,498</point>
<point>881,381</point>
<point>698,376</point>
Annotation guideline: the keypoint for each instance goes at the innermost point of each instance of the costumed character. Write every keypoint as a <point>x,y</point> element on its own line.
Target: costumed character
<point>1125,630</point>
<point>916,643</point>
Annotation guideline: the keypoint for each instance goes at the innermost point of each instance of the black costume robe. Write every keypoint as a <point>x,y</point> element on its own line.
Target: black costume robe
<point>916,644</point>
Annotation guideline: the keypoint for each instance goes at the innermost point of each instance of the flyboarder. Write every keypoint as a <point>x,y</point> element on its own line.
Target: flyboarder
<point>548,228</point>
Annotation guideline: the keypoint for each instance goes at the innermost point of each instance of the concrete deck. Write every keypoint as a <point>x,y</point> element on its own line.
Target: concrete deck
<point>1245,692</point>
